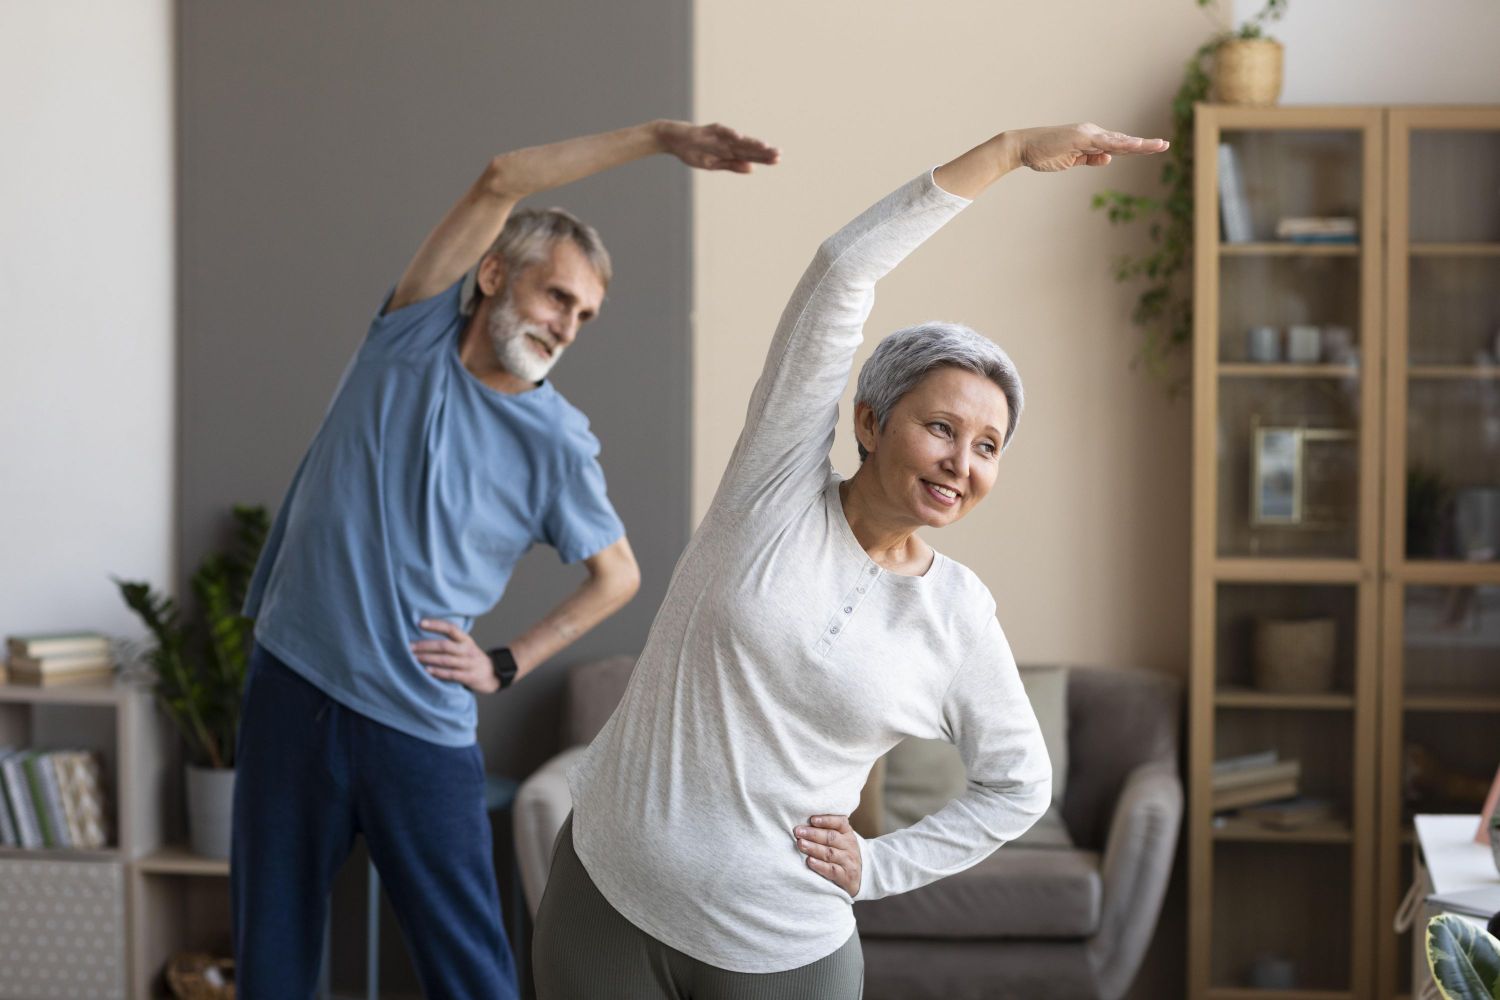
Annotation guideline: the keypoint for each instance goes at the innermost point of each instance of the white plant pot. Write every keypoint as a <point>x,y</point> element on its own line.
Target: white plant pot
<point>210,809</point>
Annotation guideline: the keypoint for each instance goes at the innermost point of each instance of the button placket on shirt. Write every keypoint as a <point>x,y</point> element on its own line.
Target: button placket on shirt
<point>839,621</point>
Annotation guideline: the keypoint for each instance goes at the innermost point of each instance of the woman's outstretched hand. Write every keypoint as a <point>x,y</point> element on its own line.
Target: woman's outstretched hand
<point>1058,147</point>
<point>832,850</point>
<point>714,147</point>
<point>1049,149</point>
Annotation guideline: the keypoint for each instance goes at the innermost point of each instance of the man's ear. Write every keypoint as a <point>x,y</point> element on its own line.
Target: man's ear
<point>492,274</point>
<point>866,427</point>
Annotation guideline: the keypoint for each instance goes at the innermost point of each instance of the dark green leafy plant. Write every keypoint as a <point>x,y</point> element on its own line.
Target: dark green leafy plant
<point>1164,309</point>
<point>199,660</point>
<point>1465,960</point>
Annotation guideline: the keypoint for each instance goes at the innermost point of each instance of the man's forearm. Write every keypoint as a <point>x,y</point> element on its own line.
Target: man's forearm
<point>594,601</point>
<point>523,172</point>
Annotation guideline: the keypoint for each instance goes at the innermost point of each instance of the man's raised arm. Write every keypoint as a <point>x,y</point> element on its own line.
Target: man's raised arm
<point>472,224</point>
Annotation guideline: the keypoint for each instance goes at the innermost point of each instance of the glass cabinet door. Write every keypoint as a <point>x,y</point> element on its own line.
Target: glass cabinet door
<point>1295,267</point>
<point>1452,329</point>
<point>1440,608</point>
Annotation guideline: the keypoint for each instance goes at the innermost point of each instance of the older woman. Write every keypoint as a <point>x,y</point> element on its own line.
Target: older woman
<point>807,630</point>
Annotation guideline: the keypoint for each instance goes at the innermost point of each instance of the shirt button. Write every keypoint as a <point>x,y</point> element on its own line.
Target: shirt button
<point>860,588</point>
<point>848,609</point>
<point>874,570</point>
<point>834,630</point>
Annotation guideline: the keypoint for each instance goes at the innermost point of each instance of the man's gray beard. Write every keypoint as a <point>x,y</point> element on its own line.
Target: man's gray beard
<point>508,333</point>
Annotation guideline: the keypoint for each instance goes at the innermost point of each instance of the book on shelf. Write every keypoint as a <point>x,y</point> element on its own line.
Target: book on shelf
<point>1291,814</point>
<point>1234,206</point>
<point>8,834</point>
<point>52,799</point>
<point>1318,229</point>
<point>57,644</point>
<point>1272,791</point>
<point>1261,758</point>
<point>18,794</point>
<point>1286,770</point>
<point>60,668</point>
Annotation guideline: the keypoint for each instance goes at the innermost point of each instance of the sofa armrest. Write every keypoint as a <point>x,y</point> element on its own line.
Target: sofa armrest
<point>542,805</point>
<point>1137,865</point>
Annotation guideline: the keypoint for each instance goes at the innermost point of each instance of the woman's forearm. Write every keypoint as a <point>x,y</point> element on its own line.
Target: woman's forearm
<point>968,175</point>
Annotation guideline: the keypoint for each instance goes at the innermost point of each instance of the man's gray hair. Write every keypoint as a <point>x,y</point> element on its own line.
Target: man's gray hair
<point>907,356</point>
<point>527,239</point>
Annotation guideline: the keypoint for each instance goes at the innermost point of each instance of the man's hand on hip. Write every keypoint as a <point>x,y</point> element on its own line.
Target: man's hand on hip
<point>456,658</point>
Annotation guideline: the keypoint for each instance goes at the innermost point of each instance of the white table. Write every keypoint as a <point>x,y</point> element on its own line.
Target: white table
<point>1449,859</point>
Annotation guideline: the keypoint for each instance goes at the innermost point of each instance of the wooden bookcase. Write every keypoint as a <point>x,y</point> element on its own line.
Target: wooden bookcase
<point>1427,255</point>
<point>170,900</point>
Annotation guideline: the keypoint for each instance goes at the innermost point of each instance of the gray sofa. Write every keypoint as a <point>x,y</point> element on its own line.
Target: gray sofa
<point>1026,923</point>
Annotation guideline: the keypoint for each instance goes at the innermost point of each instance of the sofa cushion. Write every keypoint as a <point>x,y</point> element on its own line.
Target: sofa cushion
<point>1017,892</point>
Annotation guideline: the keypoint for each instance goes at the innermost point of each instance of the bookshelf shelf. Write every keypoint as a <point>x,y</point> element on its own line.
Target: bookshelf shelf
<point>110,695</point>
<point>178,860</point>
<point>1460,372</point>
<point>1246,993</point>
<point>1479,701</point>
<point>1455,249</point>
<point>1289,249</point>
<point>1234,829</point>
<point>1447,573</point>
<point>1251,570</point>
<point>60,854</point>
<point>1253,370</point>
<point>1231,697</point>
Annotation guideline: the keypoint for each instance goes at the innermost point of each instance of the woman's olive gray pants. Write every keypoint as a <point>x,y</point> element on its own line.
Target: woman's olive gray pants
<point>585,950</point>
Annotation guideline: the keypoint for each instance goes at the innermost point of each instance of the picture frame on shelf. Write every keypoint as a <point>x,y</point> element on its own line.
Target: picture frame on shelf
<point>1301,477</point>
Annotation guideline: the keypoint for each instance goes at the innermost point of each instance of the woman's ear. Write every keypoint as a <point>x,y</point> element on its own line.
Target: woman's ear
<point>866,427</point>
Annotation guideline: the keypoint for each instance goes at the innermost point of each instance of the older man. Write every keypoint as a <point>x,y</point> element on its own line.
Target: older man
<point>444,456</point>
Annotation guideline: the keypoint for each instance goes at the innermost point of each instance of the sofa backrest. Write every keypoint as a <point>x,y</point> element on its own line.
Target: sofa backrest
<point>594,689</point>
<point>1117,720</point>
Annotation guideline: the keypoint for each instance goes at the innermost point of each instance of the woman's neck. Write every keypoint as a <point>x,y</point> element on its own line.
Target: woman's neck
<point>892,542</point>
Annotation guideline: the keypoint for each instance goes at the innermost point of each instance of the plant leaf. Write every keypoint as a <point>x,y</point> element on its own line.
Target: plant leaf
<point>1464,959</point>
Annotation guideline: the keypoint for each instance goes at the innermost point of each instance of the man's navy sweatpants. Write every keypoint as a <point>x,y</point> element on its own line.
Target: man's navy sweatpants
<point>310,774</point>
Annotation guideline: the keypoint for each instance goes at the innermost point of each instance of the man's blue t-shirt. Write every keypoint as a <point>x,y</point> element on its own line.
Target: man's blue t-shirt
<point>419,494</point>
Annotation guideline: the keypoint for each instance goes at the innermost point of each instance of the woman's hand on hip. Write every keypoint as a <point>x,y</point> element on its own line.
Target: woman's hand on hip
<point>832,850</point>
<point>456,658</point>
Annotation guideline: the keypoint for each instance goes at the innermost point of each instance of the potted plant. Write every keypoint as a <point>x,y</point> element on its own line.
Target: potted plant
<point>198,658</point>
<point>1465,961</point>
<point>1164,308</point>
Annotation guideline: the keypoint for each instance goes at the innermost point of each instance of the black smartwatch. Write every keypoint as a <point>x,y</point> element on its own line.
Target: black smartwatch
<point>504,665</point>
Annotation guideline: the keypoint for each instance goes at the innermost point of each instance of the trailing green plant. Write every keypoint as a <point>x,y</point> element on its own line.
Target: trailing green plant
<point>199,658</point>
<point>1464,959</point>
<point>1164,308</point>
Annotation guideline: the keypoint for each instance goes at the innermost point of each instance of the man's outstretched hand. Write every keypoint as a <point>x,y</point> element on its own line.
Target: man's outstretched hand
<point>1059,147</point>
<point>714,147</point>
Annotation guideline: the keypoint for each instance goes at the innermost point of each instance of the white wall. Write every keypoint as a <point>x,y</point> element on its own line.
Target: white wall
<point>86,309</point>
<point>1387,51</point>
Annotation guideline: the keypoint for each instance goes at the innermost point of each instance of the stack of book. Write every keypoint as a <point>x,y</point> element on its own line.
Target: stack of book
<point>1254,778</point>
<point>1318,229</point>
<point>59,658</point>
<point>51,798</point>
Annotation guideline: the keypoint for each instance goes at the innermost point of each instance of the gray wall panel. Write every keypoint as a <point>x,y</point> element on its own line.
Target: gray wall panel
<point>317,145</point>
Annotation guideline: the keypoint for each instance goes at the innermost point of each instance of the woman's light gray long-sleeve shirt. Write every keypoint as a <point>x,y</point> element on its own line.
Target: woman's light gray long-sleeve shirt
<point>784,662</point>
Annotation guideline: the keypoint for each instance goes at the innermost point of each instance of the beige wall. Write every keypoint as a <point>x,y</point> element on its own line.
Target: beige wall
<point>1084,541</point>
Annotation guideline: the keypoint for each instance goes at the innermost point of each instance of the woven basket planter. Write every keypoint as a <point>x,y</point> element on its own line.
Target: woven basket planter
<point>1248,71</point>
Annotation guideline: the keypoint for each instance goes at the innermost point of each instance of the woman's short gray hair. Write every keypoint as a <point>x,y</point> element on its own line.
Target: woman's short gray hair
<point>907,356</point>
<point>528,237</point>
